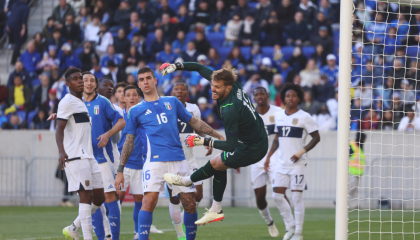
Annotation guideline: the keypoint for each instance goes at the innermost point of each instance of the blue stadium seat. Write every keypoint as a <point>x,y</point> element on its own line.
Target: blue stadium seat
<point>149,39</point>
<point>224,52</point>
<point>412,51</point>
<point>35,83</point>
<point>253,5</point>
<point>246,52</point>
<point>336,39</point>
<point>287,52</point>
<point>114,34</point>
<point>308,51</point>
<point>151,65</point>
<point>31,116</point>
<point>190,36</point>
<point>21,114</point>
<point>215,38</point>
<point>78,51</point>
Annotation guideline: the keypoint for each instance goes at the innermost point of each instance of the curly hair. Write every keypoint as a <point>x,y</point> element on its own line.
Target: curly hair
<point>291,86</point>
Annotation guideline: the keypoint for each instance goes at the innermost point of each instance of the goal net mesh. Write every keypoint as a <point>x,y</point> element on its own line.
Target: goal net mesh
<point>384,162</point>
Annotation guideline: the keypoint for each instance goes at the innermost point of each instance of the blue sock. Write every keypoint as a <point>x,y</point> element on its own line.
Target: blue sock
<point>190,227</point>
<point>98,224</point>
<point>137,207</point>
<point>145,222</point>
<point>114,219</point>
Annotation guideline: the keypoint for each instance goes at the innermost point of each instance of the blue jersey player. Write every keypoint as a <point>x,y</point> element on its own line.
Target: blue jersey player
<point>157,119</point>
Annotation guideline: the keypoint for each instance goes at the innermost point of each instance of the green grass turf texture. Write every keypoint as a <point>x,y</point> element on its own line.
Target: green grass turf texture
<point>240,223</point>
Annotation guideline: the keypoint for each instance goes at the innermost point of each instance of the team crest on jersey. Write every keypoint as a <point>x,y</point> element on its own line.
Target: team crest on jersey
<point>295,121</point>
<point>96,109</point>
<point>272,119</point>
<point>168,106</point>
<point>87,183</point>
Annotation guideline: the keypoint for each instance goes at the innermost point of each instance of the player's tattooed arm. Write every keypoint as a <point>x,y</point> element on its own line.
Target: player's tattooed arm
<point>273,149</point>
<point>188,202</point>
<point>127,149</point>
<point>201,127</point>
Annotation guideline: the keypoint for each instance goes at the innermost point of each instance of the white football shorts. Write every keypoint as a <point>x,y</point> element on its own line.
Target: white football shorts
<point>133,178</point>
<point>259,177</point>
<point>192,164</point>
<point>108,176</point>
<point>85,173</point>
<point>293,178</point>
<point>153,176</point>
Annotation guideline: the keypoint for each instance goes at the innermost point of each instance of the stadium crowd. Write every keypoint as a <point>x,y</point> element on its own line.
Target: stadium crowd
<point>268,42</point>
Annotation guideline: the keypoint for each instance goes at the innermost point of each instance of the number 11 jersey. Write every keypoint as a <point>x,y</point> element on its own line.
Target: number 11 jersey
<point>293,130</point>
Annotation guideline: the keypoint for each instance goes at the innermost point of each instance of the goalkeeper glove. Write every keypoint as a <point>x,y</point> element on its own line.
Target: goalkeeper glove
<point>193,140</point>
<point>169,68</point>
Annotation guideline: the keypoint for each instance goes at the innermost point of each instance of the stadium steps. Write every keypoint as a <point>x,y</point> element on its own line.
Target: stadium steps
<point>40,11</point>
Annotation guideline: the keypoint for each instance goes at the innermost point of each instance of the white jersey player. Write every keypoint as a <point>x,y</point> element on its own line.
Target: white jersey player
<point>292,126</point>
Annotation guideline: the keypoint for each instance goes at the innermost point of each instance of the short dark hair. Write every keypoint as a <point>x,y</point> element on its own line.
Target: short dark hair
<point>146,70</point>
<point>104,79</point>
<point>180,82</point>
<point>70,71</point>
<point>291,86</point>
<point>120,84</point>
<point>227,75</point>
<point>132,87</point>
<point>96,79</point>
<point>260,88</point>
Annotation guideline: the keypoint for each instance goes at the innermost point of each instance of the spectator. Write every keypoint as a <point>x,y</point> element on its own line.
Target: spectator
<point>92,29</point>
<point>263,10</point>
<point>323,90</point>
<point>372,75</point>
<point>402,25</point>
<point>309,11</point>
<point>371,121</point>
<point>16,26</point>
<point>116,74</point>
<point>179,45</point>
<point>332,105</point>
<point>165,9</point>
<point>19,97</point>
<point>39,44</point>
<point>297,31</point>
<point>250,31</point>
<point>398,73</point>
<point>15,123</point>
<point>146,15</point>
<point>30,59</point>
<point>320,21</point>
<point>319,56</point>
<point>310,74</point>
<point>41,93</point>
<point>276,86</point>
<point>131,80</point>
<point>104,41</point>
<point>202,15</point>
<point>121,17</point>
<point>121,43</point>
<point>324,39</point>
<point>309,105</point>
<point>184,19</point>
<point>391,42</point>
<point>241,74</point>
<point>97,69</point>
<point>358,31</point>
<point>20,70</point>
<point>191,54</point>
<point>356,114</point>
<point>365,93</point>
<point>397,107</point>
<point>169,29</point>
<point>287,72</point>
<point>331,70</point>
<point>214,59</point>
<point>67,58</point>
<point>266,70</point>
<point>77,5</point>
<point>100,9</point>
<point>324,120</point>
<point>256,56</point>
<point>40,122</point>
<point>407,94</point>
<point>211,121</point>
<point>254,82</point>
<point>285,12</point>
<point>166,56</point>
<point>57,40</point>
<point>71,31</point>
<point>235,57</point>
<point>52,106</point>
<point>158,43</point>
<point>328,12</point>
<point>85,57</point>
<point>375,33</point>
<point>61,11</point>
<point>136,26</point>
<point>49,60</point>
<point>363,15</point>
<point>242,9</point>
<point>132,60</point>
<point>232,30</point>
<point>273,30</point>
<point>201,43</point>
<point>387,122</point>
<point>47,30</point>
<point>204,108</point>
<point>140,43</point>
<point>409,123</point>
<point>219,16</point>
<point>110,56</point>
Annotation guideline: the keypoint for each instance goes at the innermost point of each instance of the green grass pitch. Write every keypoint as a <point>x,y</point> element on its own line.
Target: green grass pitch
<point>240,223</point>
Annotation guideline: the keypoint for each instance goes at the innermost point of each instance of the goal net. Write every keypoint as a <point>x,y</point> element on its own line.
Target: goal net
<point>383,197</point>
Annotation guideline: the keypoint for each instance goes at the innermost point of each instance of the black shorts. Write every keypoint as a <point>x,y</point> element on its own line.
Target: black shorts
<point>244,156</point>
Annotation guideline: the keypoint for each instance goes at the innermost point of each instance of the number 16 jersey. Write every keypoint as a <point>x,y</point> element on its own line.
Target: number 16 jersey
<point>293,130</point>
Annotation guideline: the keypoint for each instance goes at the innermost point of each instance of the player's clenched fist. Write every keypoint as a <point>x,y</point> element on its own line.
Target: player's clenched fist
<point>169,68</point>
<point>193,140</point>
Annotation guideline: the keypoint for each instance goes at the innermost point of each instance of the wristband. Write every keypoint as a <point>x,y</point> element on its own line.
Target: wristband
<point>179,66</point>
<point>300,152</point>
<point>208,142</point>
<point>120,168</point>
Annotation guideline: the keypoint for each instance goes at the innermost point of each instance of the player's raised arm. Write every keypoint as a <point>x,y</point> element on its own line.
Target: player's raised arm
<point>204,71</point>
<point>273,149</point>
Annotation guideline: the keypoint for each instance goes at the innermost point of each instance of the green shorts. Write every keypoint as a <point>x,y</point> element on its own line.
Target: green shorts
<point>243,156</point>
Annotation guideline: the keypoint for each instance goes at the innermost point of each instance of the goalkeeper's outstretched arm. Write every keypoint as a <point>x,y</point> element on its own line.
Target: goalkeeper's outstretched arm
<point>204,71</point>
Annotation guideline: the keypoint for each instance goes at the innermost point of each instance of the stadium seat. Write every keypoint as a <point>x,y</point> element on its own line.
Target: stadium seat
<point>190,36</point>
<point>35,83</point>
<point>224,52</point>
<point>287,52</point>
<point>31,116</point>
<point>253,5</point>
<point>412,51</point>
<point>21,114</point>
<point>149,39</point>
<point>78,51</point>
<point>151,65</point>
<point>246,52</point>
<point>215,38</point>
<point>267,51</point>
<point>336,39</point>
<point>308,51</point>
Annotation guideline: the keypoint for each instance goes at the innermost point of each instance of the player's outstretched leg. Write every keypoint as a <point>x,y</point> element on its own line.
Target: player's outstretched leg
<point>265,211</point>
<point>190,214</point>
<point>285,211</point>
<point>299,214</point>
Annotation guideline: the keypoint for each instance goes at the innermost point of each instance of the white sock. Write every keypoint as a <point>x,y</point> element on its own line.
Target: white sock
<point>94,208</point>
<point>179,231</point>
<point>299,211</point>
<point>216,206</point>
<point>265,213</point>
<point>86,220</point>
<point>77,223</point>
<point>196,204</point>
<point>175,212</point>
<point>186,180</point>
<point>285,210</point>
<point>107,227</point>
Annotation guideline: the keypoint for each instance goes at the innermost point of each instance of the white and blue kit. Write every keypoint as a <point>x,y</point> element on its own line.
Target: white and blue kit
<point>133,167</point>
<point>103,115</point>
<point>162,148</point>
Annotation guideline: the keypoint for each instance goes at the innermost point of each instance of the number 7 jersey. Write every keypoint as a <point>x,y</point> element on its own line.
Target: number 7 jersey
<point>293,130</point>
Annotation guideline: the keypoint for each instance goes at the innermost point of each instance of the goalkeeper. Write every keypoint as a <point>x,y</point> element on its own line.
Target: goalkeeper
<point>246,138</point>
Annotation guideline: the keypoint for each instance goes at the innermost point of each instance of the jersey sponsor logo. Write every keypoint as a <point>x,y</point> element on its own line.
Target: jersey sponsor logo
<point>96,109</point>
<point>239,94</point>
<point>272,119</point>
<point>148,112</point>
<point>168,106</point>
<point>87,183</point>
<point>295,121</point>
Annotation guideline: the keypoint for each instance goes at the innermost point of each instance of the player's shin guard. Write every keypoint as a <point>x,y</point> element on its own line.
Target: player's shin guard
<point>98,224</point>
<point>85,216</point>
<point>299,211</point>
<point>136,211</point>
<point>114,219</point>
<point>145,222</point>
<point>285,210</point>
<point>190,227</point>
<point>204,172</point>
